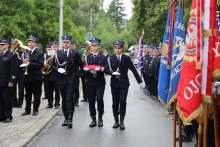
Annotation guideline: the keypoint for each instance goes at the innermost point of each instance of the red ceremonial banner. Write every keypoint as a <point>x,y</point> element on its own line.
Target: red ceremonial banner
<point>189,96</point>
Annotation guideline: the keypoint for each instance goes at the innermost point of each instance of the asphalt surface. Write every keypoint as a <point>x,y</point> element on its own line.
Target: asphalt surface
<point>145,123</point>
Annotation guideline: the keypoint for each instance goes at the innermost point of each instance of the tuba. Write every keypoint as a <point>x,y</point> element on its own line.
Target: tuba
<point>46,69</point>
<point>87,50</point>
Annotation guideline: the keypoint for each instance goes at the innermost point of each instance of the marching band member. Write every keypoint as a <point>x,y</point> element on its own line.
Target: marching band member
<point>117,66</point>
<point>95,82</point>
<point>66,62</point>
<point>33,78</point>
<point>8,70</point>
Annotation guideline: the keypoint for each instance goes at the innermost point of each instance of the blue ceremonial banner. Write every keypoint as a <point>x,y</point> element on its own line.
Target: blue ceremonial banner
<point>140,53</point>
<point>177,55</point>
<point>164,73</point>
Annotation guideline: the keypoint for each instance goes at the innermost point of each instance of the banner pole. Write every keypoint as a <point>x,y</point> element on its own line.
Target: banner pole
<point>174,123</point>
<point>205,125</point>
<point>216,123</point>
<point>180,132</point>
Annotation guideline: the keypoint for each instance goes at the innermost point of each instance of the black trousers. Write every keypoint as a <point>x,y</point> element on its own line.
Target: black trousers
<point>119,98</point>
<point>18,101</point>
<point>20,92</point>
<point>67,92</point>
<point>6,102</point>
<point>34,88</point>
<point>93,93</point>
<point>52,87</point>
<point>76,91</point>
<point>45,88</point>
<point>84,87</point>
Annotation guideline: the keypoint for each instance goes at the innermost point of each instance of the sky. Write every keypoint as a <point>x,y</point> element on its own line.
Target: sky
<point>127,4</point>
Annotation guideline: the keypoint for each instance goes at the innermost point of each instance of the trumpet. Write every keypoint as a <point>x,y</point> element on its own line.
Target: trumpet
<point>26,55</point>
<point>87,50</point>
<point>46,69</point>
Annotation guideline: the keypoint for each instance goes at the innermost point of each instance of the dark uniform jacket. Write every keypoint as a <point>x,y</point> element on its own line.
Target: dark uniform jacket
<point>20,72</point>
<point>73,62</point>
<point>156,67</point>
<point>8,68</point>
<point>121,67</point>
<point>34,69</point>
<point>99,78</point>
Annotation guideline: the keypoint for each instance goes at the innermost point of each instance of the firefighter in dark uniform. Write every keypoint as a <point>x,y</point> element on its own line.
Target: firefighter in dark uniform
<point>66,62</point>
<point>78,74</point>
<point>85,99</point>
<point>51,80</point>
<point>155,70</point>
<point>95,82</point>
<point>33,77</point>
<point>8,71</point>
<point>143,70</point>
<point>117,66</point>
<point>18,102</point>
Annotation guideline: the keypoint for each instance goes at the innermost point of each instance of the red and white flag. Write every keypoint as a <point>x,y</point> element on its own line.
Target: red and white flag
<point>189,95</point>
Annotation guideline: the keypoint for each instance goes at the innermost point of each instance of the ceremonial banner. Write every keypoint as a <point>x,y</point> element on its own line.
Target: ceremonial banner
<point>189,96</point>
<point>178,52</point>
<point>216,45</point>
<point>164,71</point>
<point>140,53</point>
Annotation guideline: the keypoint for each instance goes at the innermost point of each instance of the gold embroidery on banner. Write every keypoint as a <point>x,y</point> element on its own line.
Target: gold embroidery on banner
<point>189,58</point>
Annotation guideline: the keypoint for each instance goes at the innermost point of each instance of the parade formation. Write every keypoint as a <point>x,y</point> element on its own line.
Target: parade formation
<point>182,73</point>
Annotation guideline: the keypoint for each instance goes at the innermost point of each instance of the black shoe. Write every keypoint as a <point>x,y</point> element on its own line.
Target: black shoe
<point>77,104</point>
<point>2,119</point>
<point>65,123</point>
<point>122,126</point>
<point>26,113</point>
<point>49,106</point>
<point>35,113</point>
<point>84,100</point>
<point>116,125</point>
<point>184,138</point>
<point>93,123</point>
<point>57,107</point>
<point>100,122</point>
<point>7,120</point>
<point>69,123</point>
<point>19,106</point>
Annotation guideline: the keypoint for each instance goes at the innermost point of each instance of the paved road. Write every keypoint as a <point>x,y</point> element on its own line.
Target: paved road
<point>145,125</point>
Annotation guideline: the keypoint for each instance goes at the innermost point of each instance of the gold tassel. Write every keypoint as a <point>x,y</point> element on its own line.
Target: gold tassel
<point>167,114</point>
<point>168,66</point>
<point>200,129</point>
<point>198,65</point>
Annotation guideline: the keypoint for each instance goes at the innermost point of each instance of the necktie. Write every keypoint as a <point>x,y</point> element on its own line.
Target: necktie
<point>66,53</point>
<point>119,58</point>
<point>95,56</point>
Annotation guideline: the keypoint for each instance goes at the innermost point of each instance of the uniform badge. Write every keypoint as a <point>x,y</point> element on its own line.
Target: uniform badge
<point>13,77</point>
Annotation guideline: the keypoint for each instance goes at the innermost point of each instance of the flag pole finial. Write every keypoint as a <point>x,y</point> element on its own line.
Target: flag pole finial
<point>143,32</point>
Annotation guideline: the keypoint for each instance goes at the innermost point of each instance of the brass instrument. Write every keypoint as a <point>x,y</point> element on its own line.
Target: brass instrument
<point>16,44</point>
<point>87,50</point>
<point>46,69</point>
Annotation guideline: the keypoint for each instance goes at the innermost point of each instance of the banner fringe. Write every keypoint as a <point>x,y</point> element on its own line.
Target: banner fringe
<point>216,74</point>
<point>198,65</point>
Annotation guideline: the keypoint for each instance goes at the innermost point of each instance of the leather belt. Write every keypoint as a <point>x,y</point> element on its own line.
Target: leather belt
<point>69,73</point>
<point>121,76</point>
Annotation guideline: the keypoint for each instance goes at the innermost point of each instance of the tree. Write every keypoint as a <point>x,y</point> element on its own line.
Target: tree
<point>116,12</point>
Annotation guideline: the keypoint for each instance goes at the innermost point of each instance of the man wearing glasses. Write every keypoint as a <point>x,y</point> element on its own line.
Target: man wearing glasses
<point>8,70</point>
<point>118,66</point>
<point>67,62</point>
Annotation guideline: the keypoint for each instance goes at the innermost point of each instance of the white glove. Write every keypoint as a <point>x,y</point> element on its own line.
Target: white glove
<point>86,69</point>
<point>116,73</point>
<point>61,70</point>
<point>213,88</point>
<point>142,85</point>
<point>217,83</point>
<point>97,69</point>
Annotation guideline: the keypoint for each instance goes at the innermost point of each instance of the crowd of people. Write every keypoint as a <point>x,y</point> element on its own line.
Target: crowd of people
<point>25,71</point>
